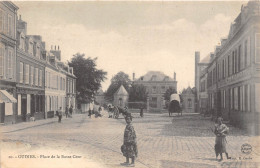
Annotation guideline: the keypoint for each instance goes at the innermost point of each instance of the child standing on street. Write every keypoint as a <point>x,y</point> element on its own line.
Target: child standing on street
<point>59,115</point>
<point>129,148</point>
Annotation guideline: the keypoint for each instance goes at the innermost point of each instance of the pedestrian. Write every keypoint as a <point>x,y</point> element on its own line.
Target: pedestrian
<point>71,110</point>
<point>89,113</point>
<point>67,111</point>
<point>129,147</point>
<point>59,115</point>
<point>221,130</point>
<point>141,111</point>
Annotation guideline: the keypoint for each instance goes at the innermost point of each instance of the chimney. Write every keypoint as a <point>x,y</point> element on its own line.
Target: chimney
<point>20,17</point>
<point>55,47</point>
<point>58,47</point>
<point>51,47</point>
<point>174,76</point>
<point>133,76</point>
<point>211,55</point>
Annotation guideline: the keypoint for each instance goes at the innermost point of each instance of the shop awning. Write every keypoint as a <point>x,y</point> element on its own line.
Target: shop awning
<point>5,97</point>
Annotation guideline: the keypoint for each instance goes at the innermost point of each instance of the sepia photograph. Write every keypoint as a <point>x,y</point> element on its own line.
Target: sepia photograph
<point>145,84</point>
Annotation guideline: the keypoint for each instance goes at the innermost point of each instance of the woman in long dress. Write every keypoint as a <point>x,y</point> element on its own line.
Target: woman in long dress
<point>221,131</point>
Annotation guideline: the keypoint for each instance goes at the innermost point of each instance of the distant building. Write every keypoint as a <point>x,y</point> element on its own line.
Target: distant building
<point>121,97</point>
<point>8,99</point>
<point>156,84</point>
<point>188,100</point>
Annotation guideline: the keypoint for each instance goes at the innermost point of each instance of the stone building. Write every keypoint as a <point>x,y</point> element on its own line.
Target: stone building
<point>188,100</point>
<point>30,74</point>
<point>233,73</point>
<point>121,97</point>
<point>55,83</point>
<point>8,101</point>
<point>70,86</point>
<point>156,84</point>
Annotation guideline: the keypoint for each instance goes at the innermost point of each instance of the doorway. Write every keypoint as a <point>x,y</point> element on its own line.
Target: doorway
<point>23,107</point>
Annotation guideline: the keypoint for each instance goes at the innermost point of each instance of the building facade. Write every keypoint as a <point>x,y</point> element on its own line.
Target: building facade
<point>100,97</point>
<point>233,75</point>
<point>8,102</point>
<point>121,97</point>
<point>30,74</point>
<point>70,86</point>
<point>188,100</point>
<point>55,84</point>
<point>156,84</point>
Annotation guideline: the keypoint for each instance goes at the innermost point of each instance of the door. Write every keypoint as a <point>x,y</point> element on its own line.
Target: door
<point>24,107</point>
<point>2,112</point>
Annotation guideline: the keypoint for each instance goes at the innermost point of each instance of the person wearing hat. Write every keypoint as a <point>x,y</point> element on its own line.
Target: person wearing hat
<point>221,130</point>
<point>129,147</point>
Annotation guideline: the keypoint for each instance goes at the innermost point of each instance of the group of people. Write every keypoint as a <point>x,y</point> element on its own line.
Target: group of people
<point>97,113</point>
<point>68,113</point>
<point>129,147</point>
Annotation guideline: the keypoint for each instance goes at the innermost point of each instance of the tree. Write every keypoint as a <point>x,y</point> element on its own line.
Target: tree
<point>119,79</point>
<point>137,93</point>
<point>89,78</point>
<point>168,93</point>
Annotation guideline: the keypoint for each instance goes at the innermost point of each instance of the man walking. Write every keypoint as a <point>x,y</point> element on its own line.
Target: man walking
<point>59,115</point>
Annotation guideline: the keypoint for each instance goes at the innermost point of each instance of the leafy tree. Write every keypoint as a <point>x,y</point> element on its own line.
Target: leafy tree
<point>89,78</point>
<point>168,93</point>
<point>119,79</point>
<point>137,93</point>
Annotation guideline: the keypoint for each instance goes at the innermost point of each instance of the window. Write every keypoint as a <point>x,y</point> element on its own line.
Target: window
<point>1,58</point>
<point>10,25</point>
<point>236,98</point>
<point>248,52</point>
<point>38,51</point>
<point>36,76</point>
<point>241,98</point>
<point>21,72</point>
<point>22,43</point>
<point>163,89</point>
<point>257,48</point>
<point>233,62</point>
<point>9,63</point>
<point>231,98</point>
<point>245,53</point>
<point>40,77</point>
<point>31,75</point>
<point>1,20</point>
<point>189,103</point>
<point>30,47</point>
<point>154,89</point>
<point>224,98</point>
<point>27,74</point>
<point>239,58</point>
<point>257,98</point>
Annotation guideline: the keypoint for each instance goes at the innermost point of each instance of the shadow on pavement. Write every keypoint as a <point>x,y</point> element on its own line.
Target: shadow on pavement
<point>180,164</point>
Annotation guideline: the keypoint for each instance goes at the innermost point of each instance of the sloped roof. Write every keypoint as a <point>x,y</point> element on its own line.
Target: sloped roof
<point>155,76</point>
<point>121,91</point>
<point>100,92</point>
<point>188,91</point>
<point>206,59</point>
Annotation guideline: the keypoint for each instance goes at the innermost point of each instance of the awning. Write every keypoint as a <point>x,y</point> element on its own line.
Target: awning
<point>5,97</point>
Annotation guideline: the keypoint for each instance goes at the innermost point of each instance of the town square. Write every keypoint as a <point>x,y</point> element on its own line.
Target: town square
<point>146,84</point>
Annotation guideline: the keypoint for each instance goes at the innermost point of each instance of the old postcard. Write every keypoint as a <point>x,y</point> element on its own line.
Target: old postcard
<point>146,84</point>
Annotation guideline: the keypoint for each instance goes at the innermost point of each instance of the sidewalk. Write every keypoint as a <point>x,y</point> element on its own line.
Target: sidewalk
<point>32,124</point>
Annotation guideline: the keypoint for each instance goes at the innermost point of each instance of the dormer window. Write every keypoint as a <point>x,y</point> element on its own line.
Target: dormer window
<point>38,51</point>
<point>153,78</point>
<point>30,47</point>
<point>22,42</point>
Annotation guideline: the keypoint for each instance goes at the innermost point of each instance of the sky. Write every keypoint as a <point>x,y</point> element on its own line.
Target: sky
<point>133,37</point>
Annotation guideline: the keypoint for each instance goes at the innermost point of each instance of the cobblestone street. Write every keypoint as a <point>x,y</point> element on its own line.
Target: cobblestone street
<point>163,141</point>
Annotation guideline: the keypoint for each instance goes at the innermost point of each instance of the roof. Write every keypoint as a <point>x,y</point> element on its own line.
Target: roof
<point>206,59</point>
<point>155,76</point>
<point>121,91</point>
<point>100,92</point>
<point>188,91</point>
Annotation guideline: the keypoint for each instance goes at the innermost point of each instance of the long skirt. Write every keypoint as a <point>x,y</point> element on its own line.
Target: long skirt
<point>129,150</point>
<point>220,144</point>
